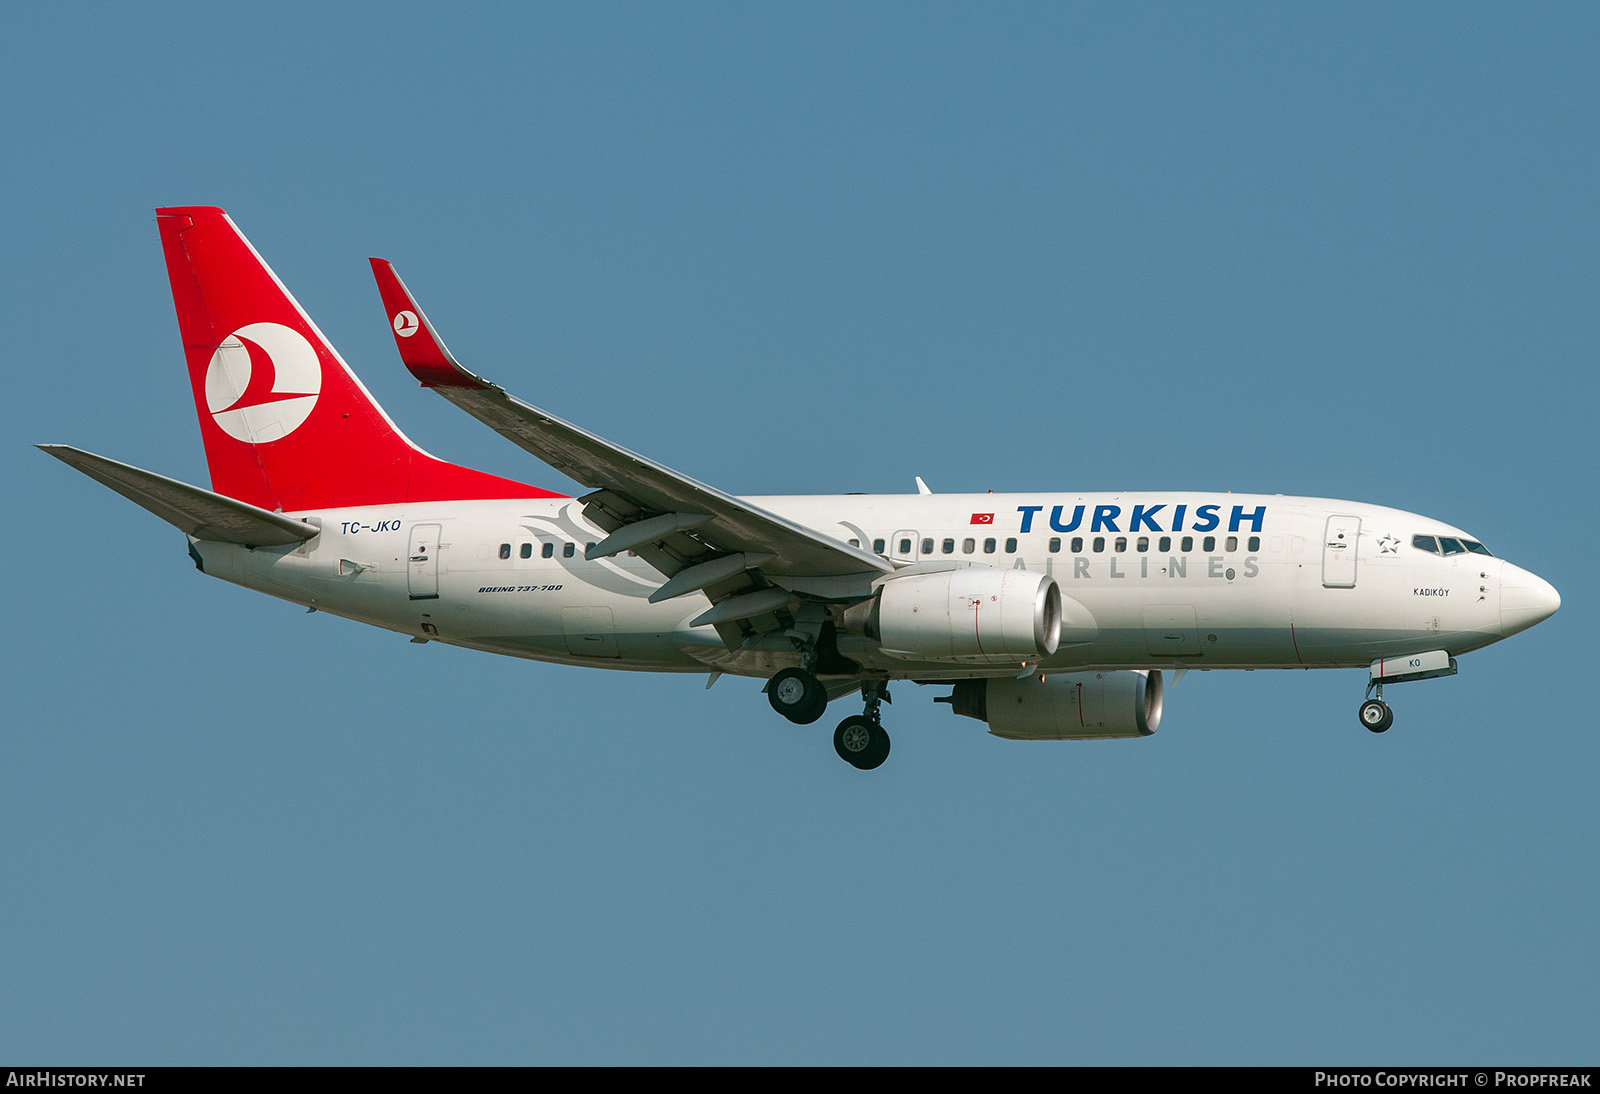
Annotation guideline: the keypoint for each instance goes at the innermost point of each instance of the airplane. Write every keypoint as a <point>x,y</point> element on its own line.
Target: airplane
<point>1050,616</point>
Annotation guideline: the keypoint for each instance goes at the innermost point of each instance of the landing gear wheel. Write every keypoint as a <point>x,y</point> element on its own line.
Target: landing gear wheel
<point>861,742</point>
<point>798,696</point>
<point>1376,715</point>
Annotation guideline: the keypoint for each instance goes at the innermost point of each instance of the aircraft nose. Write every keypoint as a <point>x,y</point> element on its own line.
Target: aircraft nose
<point>1525,599</point>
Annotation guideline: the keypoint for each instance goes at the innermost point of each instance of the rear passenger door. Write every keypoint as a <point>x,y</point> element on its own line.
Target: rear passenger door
<point>422,562</point>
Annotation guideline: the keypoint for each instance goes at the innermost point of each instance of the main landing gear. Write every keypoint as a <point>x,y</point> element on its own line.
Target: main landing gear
<point>798,696</point>
<point>860,740</point>
<point>1375,713</point>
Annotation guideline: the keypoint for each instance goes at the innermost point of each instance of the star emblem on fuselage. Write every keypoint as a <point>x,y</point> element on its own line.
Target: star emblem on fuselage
<point>1388,545</point>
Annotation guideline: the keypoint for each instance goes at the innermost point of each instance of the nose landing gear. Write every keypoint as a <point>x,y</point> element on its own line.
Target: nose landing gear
<point>1375,713</point>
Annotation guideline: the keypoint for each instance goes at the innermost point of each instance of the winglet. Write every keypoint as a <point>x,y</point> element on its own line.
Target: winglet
<point>420,346</point>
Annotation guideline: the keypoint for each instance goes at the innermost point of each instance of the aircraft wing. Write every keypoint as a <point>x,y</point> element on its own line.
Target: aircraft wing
<point>196,512</point>
<point>740,555</point>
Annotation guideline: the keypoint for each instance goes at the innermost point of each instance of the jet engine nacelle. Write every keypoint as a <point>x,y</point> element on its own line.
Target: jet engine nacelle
<point>1075,706</point>
<point>980,614</point>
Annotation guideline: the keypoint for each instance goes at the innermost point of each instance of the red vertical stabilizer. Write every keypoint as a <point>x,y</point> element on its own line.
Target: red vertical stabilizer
<point>286,424</point>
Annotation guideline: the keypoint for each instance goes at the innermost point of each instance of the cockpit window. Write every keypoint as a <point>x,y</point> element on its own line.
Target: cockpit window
<point>1445,545</point>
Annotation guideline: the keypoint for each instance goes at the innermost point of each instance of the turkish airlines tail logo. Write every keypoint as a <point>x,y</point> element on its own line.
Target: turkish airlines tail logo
<point>262,382</point>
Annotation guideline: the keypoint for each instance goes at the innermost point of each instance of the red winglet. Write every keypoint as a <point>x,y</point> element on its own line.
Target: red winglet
<point>421,349</point>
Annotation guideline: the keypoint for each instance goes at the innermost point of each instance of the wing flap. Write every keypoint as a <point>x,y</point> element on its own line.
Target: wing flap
<point>193,511</point>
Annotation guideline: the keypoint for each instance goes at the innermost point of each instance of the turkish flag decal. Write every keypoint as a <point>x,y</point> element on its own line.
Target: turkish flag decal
<point>983,518</point>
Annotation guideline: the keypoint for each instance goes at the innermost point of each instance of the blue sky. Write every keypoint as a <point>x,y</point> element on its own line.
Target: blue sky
<point>818,248</point>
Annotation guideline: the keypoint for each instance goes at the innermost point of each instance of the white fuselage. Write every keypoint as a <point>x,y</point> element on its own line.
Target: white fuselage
<point>1149,580</point>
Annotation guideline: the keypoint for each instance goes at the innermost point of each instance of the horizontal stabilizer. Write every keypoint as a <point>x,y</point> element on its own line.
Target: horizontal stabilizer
<point>191,510</point>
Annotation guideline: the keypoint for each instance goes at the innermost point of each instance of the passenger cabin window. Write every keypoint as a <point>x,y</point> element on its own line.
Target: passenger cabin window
<point>1164,543</point>
<point>1187,545</point>
<point>548,550</point>
<point>527,550</point>
<point>988,546</point>
<point>568,549</point>
<point>1142,545</point>
<point>1099,544</point>
<point>1011,546</point>
<point>1077,545</point>
<point>1122,545</point>
<point>1055,544</point>
<point>927,546</point>
<point>1233,544</point>
<point>877,546</point>
<point>1254,543</point>
<point>905,546</point>
<point>968,546</point>
<point>1209,544</point>
<point>949,546</point>
<point>505,550</point>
